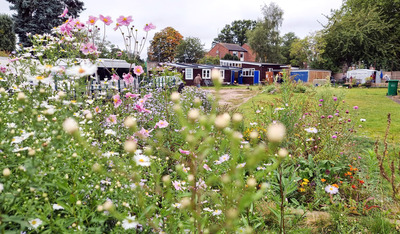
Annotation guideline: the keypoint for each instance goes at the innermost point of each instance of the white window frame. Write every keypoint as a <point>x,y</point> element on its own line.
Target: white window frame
<point>234,53</point>
<point>222,73</point>
<point>248,72</point>
<point>188,73</point>
<point>206,74</point>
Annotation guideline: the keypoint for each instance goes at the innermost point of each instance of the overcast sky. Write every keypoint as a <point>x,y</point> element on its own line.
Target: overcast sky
<point>204,18</point>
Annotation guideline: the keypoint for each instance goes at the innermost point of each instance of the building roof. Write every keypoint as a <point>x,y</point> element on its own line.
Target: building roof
<point>199,66</point>
<point>233,47</point>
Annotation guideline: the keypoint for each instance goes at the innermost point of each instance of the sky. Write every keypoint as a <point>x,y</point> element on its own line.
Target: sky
<point>203,18</point>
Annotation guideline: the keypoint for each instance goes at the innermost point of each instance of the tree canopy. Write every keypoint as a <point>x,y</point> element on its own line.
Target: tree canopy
<point>235,33</point>
<point>7,35</point>
<point>264,39</point>
<point>40,16</point>
<point>164,44</point>
<point>190,50</point>
<point>364,32</point>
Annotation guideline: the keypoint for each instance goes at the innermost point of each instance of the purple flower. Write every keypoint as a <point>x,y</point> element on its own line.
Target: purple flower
<point>320,104</point>
<point>322,116</point>
<point>334,136</point>
<point>330,116</point>
<point>321,100</point>
<point>355,107</point>
<point>335,99</point>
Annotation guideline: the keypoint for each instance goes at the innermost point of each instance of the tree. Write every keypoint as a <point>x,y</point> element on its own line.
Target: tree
<point>287,41</point>
<point>190,50</point>
<point>40,16</point>
<point>209,60</point>
<point>235,33</point>
<point>164,44</point>
<point>264,38</point>
<point>7,35</point>
<point>363,32</point>
<point>230,57</point>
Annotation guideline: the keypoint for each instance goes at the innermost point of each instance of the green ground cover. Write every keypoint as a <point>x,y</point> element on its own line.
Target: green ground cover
<point>373,105</point>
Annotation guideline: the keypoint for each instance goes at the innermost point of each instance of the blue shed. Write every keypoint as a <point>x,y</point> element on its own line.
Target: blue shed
<point>300,75</point>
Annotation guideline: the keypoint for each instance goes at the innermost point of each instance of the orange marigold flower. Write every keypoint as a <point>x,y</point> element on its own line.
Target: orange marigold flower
<point>323,180</point>
<point>361,181</point>
<point>335,185</point>
<point>353,186</point>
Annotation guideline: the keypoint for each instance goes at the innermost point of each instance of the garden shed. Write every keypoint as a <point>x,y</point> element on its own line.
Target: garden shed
<point>308,76</point>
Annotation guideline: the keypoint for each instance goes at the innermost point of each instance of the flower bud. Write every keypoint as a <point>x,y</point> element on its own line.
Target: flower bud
<point>6,172</point>
<point>276,132</point>
<point>130,146</point>
<point>21,96</point>
<point>2,90</point>
<point>237,118</point>
<point>70,126</point>
<point>282,152</point>
<point>175,96</point>
<point>222,121</point>
<point>130,122</point>
<point>193,114</point>
<point>108,205</point>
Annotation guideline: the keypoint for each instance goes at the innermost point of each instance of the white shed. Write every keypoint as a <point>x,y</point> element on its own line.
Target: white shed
<point>363,74</point>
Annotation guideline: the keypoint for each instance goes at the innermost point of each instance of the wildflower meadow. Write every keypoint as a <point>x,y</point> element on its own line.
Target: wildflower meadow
<point>144,159</point>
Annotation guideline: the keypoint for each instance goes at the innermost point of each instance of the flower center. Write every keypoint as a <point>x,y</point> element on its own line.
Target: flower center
<point>81,70</point>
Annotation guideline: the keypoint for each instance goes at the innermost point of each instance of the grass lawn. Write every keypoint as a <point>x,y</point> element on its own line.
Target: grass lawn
<point>373,106</point>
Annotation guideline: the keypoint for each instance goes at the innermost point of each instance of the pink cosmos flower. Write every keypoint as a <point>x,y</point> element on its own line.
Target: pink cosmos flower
<point>64,13</point>
<point>124,21</point>
<point>187,152</point>
<point>131,95</point>
<point>138,70</point>
<point>139,108</point>
<point>88,48</point>
<point>147,96</point>
<point>112,119</point>
<point>97,109</point>
<point>149,27</point>
<point>92,20</point>
<point>107,20</point>
<point>205,166</point>
<point>117,100</point>
<point>128,78</point>
<point>224,158</point>
<point>115,77</point>
<point>143,133</point>
<point>161,124</point>
<point>178,185</point>
<point>116,26</point>
<point>3,69</point>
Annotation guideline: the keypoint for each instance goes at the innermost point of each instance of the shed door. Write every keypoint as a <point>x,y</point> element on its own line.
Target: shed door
<point>269,77</point>
<point>256,77</point>
<point>232,77</point>
<point>240,78</point>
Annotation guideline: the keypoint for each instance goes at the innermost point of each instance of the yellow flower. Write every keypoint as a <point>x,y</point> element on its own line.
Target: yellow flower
<point>306,180</point>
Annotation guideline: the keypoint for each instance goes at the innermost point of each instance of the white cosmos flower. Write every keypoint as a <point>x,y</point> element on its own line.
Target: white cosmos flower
<point>85,69</point>
<point>35,223</point>
<point>57,207</point>
<point>129,223</point>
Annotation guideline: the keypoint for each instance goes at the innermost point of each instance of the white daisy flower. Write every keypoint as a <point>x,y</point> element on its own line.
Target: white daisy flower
<point>142,160</point>
<point>217,212</point>
<point>35,223</point>
<point>311,130</point>
<point>57,207</point>
<point>129,223</point>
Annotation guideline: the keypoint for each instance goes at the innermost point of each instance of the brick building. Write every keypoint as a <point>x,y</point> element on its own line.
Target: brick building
<point>244,52</point>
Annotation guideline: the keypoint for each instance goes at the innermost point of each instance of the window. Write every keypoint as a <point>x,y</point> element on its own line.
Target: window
<point>188,73</point>
<point>222,73</point>
<point>248,72</point>
<point>206,73</point>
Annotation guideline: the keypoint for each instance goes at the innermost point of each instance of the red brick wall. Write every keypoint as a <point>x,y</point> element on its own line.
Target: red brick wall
<point>250,56</point>
<point>221,51</point>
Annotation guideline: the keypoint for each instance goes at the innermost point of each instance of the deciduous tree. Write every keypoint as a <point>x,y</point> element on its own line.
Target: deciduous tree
<point>265,39</point>
<point>190,50</point>
<point>236,32</point>
<point>164,44</point>
<point>40,16</point>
